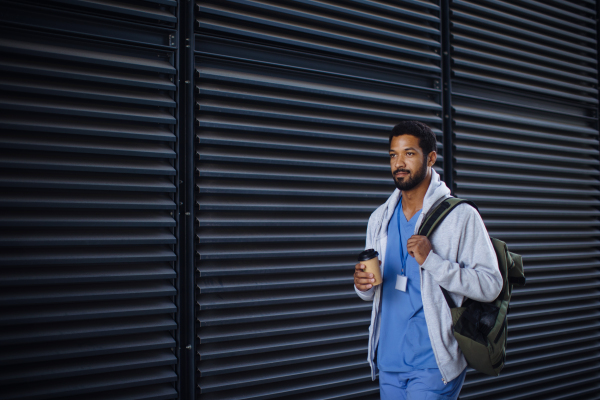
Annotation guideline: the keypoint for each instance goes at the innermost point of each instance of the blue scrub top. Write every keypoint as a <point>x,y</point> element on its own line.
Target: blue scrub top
<point>404,343</point>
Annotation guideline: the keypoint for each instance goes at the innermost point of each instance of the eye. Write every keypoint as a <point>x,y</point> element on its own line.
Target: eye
<point>392,155</point>
<point>410,153</point>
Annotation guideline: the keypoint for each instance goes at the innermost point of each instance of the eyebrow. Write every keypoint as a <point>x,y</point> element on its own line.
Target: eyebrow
<point>408,148</point>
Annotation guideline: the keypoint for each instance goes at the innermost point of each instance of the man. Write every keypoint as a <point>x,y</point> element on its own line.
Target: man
<point>410,338</point>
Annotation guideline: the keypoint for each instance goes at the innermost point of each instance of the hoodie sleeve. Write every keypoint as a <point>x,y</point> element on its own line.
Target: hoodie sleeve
<point>475,274</point>
<point>367,295</point>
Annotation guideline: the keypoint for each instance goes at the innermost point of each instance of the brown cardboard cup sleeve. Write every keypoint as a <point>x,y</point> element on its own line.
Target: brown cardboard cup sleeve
<point>370,259</point>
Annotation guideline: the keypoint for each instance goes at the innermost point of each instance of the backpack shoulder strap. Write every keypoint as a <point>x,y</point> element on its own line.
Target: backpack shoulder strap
<point>434,219</point>
<point>439,213</point>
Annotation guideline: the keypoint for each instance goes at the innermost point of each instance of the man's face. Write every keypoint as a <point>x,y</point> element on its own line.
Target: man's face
<point>407,162</point>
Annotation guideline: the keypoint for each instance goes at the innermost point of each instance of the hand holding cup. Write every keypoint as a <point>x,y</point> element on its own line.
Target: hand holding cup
<point>367,272</point>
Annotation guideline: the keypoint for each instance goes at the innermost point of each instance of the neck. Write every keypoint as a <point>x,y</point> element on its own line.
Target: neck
<point>412,200</point>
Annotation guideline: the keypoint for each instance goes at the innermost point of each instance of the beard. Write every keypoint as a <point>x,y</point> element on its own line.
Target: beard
<point>412,179</point>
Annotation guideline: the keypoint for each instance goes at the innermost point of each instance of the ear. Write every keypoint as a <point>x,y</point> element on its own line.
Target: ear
<point>431,158</point>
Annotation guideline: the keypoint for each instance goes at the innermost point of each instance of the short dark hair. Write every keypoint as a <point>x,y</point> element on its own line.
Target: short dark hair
<point>427,140</point>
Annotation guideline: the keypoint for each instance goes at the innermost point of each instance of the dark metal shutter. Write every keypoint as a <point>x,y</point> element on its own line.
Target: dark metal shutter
<point>295,102</point>
<point>87,195</point>
<point>524,97</point>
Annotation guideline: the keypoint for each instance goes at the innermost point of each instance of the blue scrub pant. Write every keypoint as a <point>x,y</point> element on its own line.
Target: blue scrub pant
<point>425,384</point>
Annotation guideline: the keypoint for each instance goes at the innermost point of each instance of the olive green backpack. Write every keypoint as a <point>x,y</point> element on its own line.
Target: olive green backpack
<point>480,328</point>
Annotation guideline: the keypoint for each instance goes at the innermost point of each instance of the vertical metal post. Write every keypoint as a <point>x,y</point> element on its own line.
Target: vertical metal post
<point>179,234</point>
<point>447,96</point>
<point>187,187</point>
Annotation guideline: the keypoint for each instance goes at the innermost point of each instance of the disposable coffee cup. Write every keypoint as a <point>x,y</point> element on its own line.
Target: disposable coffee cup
<point>370,260</point>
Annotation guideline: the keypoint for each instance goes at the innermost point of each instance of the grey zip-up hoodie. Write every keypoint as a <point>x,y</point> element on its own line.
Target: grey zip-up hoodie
<point>462,261</point>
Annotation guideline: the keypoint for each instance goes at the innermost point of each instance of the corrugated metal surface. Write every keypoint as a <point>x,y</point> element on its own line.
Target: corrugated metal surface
<point>526,151</point>
<point>87,113</point>
<point>295,100</point>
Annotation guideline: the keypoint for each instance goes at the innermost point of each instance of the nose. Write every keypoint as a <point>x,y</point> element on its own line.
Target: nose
<point>398,162</point>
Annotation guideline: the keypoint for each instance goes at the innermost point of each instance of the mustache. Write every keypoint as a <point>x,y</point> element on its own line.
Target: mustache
<point>400,170</point>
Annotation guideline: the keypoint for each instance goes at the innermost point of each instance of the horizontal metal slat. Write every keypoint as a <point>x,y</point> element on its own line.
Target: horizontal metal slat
<point>75,90</point>
<point>216,253</point>
<point>84,126</point>
<point>87,255</point>
<point>273,313</point>
<point>548,212</point>
<point>125,8</point>
<point>334,291</point>
<point>284,236</point>
<point>97,237</point>
<point>92,273</point>
<point>41,352</point>
<point>221,333</point>
<point>316,84</point>
<point>533,312</point>
<point>128,200</point>
<point>151,392</point>
<point>525,189</point>
<point>89,292</point>
<point>87,181</point>
<point>299,279</point>
<point>90,73</point>
<point>209,351</point>
<point>280,358</point>
<point>86,366</point>
<point>100,55</point>
<point>85,218</point>
<point>287,388</point>
<point>539,179</point>
<point>77,108</point>
<point>504,164</point>
<point>261,267</point>
<point>289,144</point>
<point>76,312</point>
<point>215,93</point>
<point>340,118</point>
<point>528,201</point>
<point>555,57</point>
<point>257,377</point>
<point>81,163</point>
<point>548,300</point>
<point>255,220</point>
<point>529,121</point>
<point>524,133</point>
<point>542,70</point>
<point>520,143</point>
<point>510,83</point>
<point>114,380</point>
<point>523,155</point>
<point>85,329</point>
<point>550,332</point>
<point>86,145</point>
<point>274,189</point>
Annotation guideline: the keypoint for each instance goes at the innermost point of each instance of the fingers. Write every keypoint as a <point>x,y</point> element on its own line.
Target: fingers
<point>362,280</point>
